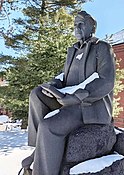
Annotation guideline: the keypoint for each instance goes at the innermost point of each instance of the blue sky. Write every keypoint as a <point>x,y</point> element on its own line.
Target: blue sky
<point>108,13</point>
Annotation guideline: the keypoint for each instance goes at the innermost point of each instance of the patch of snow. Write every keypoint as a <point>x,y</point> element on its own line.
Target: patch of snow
<point>13,149</point>
<point>117,131</point>
<point>95,165</point>
<point>4,118</point>
<point>10,163</point>
<point>60,76</point>
<point>50,114</point>
<point>72,89</point>
<point>12,139</point>
<point>79,56</point>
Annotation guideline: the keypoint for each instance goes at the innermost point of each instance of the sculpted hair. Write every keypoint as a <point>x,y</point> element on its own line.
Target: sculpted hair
<point>85,16</point>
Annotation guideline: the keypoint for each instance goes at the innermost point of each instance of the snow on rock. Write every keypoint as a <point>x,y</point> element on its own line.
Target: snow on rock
<point>119,145</point>
<point>95,165</point>
<point>119,131</point>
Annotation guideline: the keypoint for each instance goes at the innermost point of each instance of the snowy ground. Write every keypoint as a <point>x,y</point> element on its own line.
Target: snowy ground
<point>13,149</point>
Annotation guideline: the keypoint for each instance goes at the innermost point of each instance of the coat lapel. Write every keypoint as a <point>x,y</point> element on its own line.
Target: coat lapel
<point>70,56</point>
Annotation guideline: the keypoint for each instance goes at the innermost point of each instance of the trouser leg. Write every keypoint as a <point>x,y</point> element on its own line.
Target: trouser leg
<point>39,106</point>
<point>51,140</point>
<point>46,154</point>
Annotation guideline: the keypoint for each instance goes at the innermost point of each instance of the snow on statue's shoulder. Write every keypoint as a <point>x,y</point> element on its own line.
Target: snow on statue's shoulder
<point>72,89</point>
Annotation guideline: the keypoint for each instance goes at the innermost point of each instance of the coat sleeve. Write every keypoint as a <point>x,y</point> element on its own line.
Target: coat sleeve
<point>57,81</point>
<point>103,85</point>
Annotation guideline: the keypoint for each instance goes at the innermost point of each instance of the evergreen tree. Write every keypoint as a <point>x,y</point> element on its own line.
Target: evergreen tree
<point>45,58</point>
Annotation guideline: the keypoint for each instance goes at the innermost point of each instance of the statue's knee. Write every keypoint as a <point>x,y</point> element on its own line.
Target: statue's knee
<point>43,126</point>
<point>46,127</point>
<point>35,92</point>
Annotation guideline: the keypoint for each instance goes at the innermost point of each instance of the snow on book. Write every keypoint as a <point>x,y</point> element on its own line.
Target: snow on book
<point>72,89</point>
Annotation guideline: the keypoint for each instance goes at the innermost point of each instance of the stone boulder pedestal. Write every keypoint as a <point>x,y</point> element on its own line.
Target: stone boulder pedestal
<point>119,145</point>
<point>87,142</point>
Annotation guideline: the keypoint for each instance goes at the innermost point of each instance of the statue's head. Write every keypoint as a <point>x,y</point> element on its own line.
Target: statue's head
<point>85,26</point>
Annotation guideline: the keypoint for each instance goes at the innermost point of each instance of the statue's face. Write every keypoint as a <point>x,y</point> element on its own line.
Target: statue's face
<point>83,28</point>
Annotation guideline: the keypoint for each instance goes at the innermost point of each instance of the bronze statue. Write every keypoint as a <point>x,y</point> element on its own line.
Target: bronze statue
<point>54,114</point>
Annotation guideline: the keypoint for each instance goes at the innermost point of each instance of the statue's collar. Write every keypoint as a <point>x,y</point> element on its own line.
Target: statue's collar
<point>77,45</point>
<point>92,40</point>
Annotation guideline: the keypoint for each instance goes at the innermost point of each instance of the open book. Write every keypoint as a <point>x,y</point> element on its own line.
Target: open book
<point>59,93</point>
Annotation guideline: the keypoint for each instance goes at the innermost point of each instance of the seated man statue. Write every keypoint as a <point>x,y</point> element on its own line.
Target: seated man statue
<point>89,105</point>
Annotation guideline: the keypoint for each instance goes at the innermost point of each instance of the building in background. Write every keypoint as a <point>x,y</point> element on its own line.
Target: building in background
<point>116,38</point>
<point>117,41</point>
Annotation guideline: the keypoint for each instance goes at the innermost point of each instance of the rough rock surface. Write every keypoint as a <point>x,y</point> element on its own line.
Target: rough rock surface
<point>117,168</point>
<point>119,145</point>
<point>89,141</point>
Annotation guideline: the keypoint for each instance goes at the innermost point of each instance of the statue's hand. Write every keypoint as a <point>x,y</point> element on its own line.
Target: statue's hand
<point>56,83</point>
<point>81,94</point>
<point>47,93</point>
<point>69,99</point>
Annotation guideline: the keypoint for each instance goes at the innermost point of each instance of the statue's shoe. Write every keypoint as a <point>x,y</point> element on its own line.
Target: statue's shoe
<point>24,171</point>
<point>26,163</point>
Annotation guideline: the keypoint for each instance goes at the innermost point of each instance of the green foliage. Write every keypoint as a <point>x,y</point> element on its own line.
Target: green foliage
<point>2,91</point>
<point>31,10</point>
<point>45,58</point>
